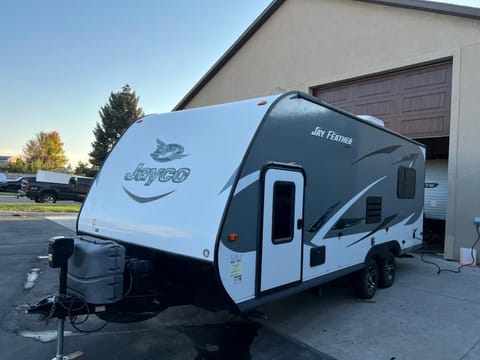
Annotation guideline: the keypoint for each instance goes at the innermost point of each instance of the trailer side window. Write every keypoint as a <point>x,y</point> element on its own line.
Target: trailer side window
<point>407,178</point>
<point>283,212</point>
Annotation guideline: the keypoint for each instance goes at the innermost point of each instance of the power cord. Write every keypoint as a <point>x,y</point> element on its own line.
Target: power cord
<point>439,269</point>
<point>56,299</point>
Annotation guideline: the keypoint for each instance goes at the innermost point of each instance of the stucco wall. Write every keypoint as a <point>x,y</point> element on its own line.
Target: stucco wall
<point>464,162</point>
<point>314,42</point>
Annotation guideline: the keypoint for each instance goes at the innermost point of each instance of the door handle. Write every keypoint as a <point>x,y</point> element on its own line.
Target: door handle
<point>300,224</point>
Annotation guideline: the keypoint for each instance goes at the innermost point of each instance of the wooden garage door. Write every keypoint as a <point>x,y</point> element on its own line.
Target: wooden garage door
<point>414,102</point>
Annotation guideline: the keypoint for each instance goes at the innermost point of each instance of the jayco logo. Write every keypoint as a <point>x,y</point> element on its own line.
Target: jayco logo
<point>167,152</point>
<point>149,175</point>
<point>163,153</point>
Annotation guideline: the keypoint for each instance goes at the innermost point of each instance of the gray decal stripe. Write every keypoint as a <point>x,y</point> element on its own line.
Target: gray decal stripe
<point>229,182</point>
<point>333,220</point>
<point>142,200</point>
<point>247,181</point>
<point>410,157</point>
<point>386,150</point>
<point>317,224</point>
<point>347,223</point>
<point>414,218</point>
<point>380,226</point>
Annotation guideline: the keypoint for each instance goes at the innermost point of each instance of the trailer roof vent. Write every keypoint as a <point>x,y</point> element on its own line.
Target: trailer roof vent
<point>372,120</point>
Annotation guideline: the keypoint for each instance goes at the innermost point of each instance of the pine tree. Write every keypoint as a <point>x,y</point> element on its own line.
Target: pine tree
<point>116,116</point>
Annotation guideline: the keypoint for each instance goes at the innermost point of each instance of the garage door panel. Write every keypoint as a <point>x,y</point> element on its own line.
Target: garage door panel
<point>426,78</point>
<point>337,95</point>
<point>380,108</point>
<point>414,102</point>
<point>375,88</point>
<point>426,102</point>
<point>420,127</point>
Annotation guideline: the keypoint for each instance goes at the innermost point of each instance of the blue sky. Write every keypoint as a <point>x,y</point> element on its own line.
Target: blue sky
<point>60,59</point>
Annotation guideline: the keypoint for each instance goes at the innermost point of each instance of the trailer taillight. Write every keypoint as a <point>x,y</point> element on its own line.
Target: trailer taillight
<point>28,186</point>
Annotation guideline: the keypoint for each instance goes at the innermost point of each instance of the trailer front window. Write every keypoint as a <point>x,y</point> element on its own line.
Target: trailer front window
<point>283,212</point>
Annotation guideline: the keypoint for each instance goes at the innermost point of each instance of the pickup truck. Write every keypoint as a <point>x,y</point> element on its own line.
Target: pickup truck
<point>49,192</point>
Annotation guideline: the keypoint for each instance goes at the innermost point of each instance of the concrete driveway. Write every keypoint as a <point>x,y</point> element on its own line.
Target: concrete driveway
<point>423,316</point>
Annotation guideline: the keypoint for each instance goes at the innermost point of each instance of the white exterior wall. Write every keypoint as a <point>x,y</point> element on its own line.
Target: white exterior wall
<point>313,42</point>
<point>166,182</point>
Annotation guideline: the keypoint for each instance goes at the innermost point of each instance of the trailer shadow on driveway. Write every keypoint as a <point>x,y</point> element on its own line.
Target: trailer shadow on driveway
<point>424,315</point>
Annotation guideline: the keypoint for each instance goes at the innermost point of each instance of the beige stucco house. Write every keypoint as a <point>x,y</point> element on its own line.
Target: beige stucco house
<point>415,64</point>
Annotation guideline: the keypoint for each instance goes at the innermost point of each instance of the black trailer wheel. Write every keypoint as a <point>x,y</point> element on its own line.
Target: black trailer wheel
<point>386,269</point>
<point>48,198</point>
<point>365,281</point>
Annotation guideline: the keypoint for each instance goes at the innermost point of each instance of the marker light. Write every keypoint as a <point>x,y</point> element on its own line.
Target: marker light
<point>262,102</point>
<point>232,237</point>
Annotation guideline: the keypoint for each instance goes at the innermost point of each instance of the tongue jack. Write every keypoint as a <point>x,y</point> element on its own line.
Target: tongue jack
<point>59,251</point>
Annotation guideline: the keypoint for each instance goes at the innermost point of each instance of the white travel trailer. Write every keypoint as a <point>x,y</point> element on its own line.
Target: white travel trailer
<point>240,204</point>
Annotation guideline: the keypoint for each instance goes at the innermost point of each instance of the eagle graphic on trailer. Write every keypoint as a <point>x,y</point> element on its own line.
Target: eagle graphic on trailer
<point>240,204</point>
<point>167,152</point>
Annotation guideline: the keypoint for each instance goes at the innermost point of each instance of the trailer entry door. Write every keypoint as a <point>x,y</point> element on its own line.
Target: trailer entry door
<point>281,256</point>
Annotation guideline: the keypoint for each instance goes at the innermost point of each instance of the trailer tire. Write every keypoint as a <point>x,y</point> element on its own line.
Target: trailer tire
<point>365,281</point>
<point>386,269</point>
<point>48,198</point>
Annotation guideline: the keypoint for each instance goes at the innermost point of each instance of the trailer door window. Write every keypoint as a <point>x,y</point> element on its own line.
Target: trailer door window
<point>283,211</point>
<point>407,178</point>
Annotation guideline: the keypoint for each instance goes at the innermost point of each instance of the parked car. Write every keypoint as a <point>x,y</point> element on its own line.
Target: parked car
<point>13,185</point>
<point>3,179</point>
<point>49,192</point>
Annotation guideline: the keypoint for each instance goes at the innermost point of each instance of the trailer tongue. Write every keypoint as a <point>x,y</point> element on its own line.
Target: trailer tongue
<point>101,280</point>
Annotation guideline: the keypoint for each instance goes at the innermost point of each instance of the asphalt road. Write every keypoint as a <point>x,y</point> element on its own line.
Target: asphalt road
<point>12,198</point>
<point>184,332</point>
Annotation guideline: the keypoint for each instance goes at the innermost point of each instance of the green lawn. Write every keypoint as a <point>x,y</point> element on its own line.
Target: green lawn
<point>34,207</point>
